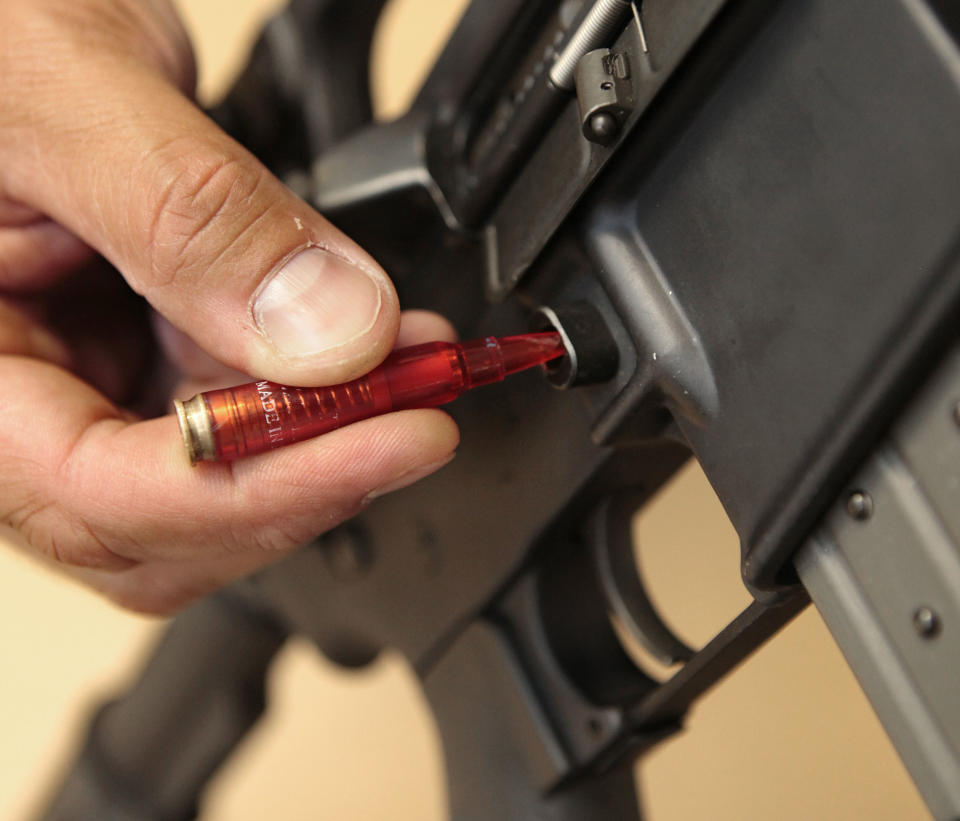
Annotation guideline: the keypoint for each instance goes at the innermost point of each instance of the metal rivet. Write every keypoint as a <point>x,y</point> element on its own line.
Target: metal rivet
<point>860,505</point>
<point>926,622</point>
<point>604,126</point>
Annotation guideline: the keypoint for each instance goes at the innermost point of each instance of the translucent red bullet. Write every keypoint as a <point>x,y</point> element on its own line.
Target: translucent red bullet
<point>235,422</point>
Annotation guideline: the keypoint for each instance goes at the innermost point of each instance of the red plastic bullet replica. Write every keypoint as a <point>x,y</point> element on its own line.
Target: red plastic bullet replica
<point>235,422</point>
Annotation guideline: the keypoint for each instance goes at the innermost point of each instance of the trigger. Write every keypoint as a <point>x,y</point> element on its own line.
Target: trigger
<point>620,579</point>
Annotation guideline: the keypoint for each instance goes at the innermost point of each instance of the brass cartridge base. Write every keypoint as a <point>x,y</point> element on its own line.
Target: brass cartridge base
<point>194,419</point>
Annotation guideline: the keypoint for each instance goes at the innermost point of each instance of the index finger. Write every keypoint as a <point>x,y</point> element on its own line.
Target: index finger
<point>89,488</point>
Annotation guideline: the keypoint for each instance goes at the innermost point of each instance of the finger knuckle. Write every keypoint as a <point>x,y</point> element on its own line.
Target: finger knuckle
<point>201,200</point>
<point>47,528</point>
<point>66,542</point>
<point>305,528</point>
<point>278,538</point>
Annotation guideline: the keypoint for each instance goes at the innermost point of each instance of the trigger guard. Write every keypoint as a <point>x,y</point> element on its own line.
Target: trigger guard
<point>612,547</point>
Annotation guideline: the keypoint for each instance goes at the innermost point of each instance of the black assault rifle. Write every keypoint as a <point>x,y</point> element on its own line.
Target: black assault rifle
<point>744,217</point>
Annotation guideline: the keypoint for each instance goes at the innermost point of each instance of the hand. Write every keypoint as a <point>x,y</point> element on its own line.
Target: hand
<point>102,150</point>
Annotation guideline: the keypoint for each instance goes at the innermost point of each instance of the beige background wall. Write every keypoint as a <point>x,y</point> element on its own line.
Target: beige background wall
<point>788,736</point>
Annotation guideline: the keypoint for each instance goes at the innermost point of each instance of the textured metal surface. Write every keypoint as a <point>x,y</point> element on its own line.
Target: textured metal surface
<point>538,200</point>
<point>887,583</point>
<point>598,27</point>
<point>805,222</point>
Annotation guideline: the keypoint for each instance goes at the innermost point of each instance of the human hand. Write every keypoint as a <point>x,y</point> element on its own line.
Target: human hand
<point>101,148</point>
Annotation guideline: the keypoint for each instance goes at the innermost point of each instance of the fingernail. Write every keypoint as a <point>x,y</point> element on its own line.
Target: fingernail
<point>316,302</point>
<point>408,478</point>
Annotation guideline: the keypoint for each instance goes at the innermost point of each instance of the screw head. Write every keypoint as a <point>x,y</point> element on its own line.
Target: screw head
<point>860,505</point>
<point>603,127</point>
<point>926,622</point>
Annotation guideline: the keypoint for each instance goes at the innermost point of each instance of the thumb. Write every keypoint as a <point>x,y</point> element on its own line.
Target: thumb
<point>198,226</point>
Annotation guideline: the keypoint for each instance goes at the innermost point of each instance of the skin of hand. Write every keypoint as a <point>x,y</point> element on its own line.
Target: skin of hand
<point>102,152</point>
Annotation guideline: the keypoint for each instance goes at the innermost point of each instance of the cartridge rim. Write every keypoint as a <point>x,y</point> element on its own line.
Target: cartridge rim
<point>195,429</point>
